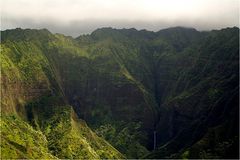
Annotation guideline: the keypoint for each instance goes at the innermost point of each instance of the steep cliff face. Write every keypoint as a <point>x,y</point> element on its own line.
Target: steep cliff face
<point>36,121</point>
<point>201,97</point>
<point>98,84</point>
<point>175,91</point>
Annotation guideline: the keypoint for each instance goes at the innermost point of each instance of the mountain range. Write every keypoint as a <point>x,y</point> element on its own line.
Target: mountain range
<point>120,93</point>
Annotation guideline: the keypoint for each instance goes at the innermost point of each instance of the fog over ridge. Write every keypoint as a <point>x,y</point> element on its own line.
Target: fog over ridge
<point>75,17</point>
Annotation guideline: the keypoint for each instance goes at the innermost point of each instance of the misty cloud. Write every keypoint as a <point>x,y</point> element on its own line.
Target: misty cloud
<point>75,17</point>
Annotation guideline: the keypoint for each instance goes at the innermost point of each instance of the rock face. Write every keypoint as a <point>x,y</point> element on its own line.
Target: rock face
<point>175,91</point>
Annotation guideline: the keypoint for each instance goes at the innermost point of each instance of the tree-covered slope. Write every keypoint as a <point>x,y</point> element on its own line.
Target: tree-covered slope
<point>172,93</point>
<point>36,120</point>
<point>19,140</point>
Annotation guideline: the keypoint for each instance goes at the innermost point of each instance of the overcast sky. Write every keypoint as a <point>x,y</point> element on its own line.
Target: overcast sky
<point>75,17</point>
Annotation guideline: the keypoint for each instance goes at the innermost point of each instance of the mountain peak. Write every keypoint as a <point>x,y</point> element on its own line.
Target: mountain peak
<point>24,34</point>
<point>178,29</point>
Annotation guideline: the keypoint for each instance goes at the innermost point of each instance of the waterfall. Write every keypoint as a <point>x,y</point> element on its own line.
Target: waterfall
<point>154,140</point>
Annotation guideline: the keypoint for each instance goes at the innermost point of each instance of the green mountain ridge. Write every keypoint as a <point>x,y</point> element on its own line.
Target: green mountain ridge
<point>167,94</point>
<point>31,92</point>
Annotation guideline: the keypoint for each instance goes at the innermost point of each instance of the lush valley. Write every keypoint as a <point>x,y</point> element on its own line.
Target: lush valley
<point>120,94</point>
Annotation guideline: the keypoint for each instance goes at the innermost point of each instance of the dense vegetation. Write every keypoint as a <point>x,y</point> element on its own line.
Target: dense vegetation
<point>167,94</point>
<point>36,120</point>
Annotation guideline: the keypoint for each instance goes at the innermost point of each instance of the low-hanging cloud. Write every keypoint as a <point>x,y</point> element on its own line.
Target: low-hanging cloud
<point>75,17</point>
